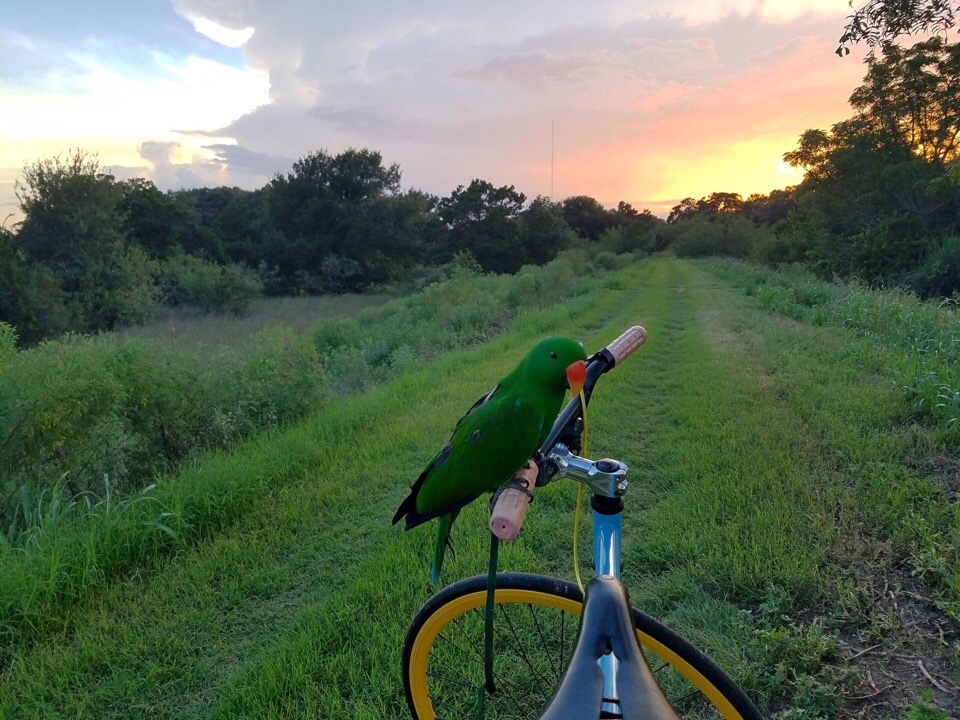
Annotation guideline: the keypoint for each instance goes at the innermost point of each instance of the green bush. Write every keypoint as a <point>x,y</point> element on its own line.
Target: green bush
<point>634,238</point>
<point>697,237</point>
<point>8,343</point>
<point>939,275</point>
<point>781,246</point>
<point>207,286</point>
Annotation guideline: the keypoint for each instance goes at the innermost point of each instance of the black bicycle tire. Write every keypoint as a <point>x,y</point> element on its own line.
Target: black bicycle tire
<point>566,590</point>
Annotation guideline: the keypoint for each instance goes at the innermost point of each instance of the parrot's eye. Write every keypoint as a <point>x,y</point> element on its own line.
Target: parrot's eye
<point>553,355</point>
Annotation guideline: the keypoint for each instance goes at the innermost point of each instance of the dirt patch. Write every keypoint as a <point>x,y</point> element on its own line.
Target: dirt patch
<point>901,645</point>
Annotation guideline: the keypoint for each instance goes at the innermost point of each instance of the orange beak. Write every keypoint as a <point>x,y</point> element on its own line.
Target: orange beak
<point>576,376</point>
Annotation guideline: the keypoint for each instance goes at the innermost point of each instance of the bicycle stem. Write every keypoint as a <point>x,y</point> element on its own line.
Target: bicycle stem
<point>606,477</point>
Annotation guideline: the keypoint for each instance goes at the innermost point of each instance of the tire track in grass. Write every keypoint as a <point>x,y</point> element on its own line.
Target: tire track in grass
<point>165,647</point>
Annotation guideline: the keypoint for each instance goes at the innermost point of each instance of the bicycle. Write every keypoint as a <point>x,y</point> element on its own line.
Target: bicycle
<point>602,671</point>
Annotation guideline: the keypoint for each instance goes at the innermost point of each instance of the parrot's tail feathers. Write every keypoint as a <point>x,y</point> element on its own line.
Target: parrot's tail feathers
<point>440,546</point>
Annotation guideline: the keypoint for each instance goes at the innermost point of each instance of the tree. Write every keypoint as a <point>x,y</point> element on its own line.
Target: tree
<point>588,218</point>
<point>707,208</point>
<point>391,234</point>
<point>625,214</point>
<point>881,22</point>
<point>877,192</point>
<point>638,234</point>
<point>152,219</point>
<point>485,220</point>
<point>13,272</point>
<point>686,208</point>
<point>545,231</point>
<point>769,209</point>
<point>904,135</point>
<point>73,227</point>
<point>240,229</point>
<point>911,96</point>
<point>314,207</point>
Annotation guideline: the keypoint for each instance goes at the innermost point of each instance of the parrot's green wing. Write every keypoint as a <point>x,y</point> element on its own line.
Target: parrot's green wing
<point>487,448</point>
<point>489,444</point>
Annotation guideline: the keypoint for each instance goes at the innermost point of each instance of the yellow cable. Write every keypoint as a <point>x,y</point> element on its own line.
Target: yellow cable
<point>576,517</point>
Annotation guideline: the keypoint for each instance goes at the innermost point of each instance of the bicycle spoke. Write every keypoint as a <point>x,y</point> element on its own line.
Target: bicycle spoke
<point>523,655</point>
<point>468,653</point>
<point>543,640</point>
<point>513,642</point>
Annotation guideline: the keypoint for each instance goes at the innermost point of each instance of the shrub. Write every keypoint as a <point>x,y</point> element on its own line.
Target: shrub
<point>8,342</point>
<point>634,238</point>
<point>939,274</point>
<point>696,237</point>
<point>194,282</point>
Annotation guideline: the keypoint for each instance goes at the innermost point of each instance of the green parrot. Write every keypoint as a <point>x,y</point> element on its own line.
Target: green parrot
<point>495,438</point>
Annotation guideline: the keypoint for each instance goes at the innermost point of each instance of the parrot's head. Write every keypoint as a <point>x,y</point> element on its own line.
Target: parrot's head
<point>557,363</point>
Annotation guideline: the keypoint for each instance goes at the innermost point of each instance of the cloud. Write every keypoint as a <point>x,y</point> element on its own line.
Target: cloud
<point>641,95</point>
<point>447,97</point>
<point>239,159</point>
<point>220,34</point>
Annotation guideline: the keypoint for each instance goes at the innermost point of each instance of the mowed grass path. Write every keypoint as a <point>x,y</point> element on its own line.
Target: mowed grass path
<point>300,610</point>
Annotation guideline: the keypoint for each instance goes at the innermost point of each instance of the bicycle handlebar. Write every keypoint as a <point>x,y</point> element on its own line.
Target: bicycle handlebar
<point>625,345</point>
<point>508,513</point>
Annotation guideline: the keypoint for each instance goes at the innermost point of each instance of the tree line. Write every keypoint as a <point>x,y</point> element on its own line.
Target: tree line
<point>94,253</point>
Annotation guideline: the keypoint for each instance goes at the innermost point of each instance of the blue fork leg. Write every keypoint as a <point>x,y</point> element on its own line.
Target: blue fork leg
<point>607,537</point>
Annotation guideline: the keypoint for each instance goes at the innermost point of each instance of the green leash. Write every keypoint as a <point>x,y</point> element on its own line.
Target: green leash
<point>488,685</point>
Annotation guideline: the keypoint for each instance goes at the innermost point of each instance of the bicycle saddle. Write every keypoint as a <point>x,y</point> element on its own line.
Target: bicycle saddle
<point>607,625</point>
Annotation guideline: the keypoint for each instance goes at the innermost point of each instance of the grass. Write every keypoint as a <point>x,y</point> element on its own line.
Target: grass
<point>762,450</point>
<point>189,329</point>
<point>850,370</point>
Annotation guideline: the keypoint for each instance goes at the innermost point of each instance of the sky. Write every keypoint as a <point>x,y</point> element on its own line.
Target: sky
<point>643,102</point>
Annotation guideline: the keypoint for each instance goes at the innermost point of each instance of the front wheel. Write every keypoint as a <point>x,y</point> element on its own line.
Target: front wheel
<point>535,626</point>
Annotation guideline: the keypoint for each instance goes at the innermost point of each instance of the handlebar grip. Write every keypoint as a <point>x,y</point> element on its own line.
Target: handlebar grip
<point>621,348</point>
<point>512,504</point>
